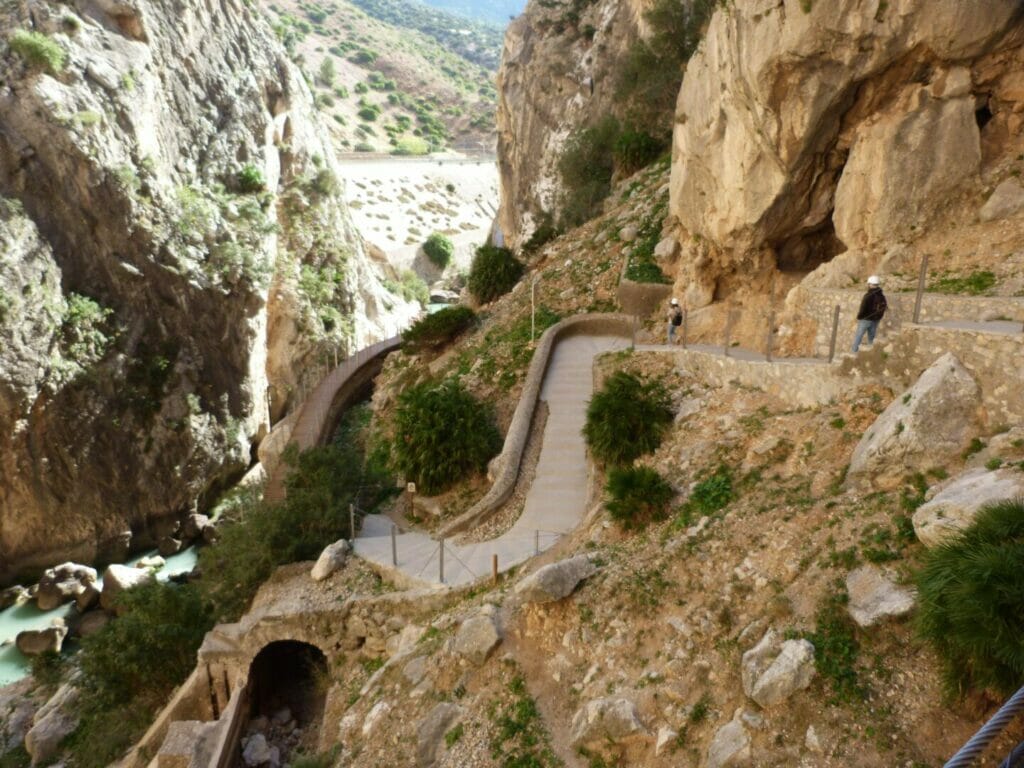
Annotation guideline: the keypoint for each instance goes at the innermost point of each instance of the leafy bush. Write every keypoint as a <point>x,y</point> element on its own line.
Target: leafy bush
<point>642,266</point>
<point>626,419</point>
<point>586,167</point>
<point>545,232</point>
<point>411,145</point>
<point>439,250</point>
<point>971,601</point>
<point>649,81</point>
<point>493,273</point>
<point>713,493</point>
<point>38,50</point>
<point>637,496</point>
<point>635,149</point>
<point>836,649</point>
<point>250,180</point>
<point>442,433</point>
<point>439,328</point>
<point>975,284</point>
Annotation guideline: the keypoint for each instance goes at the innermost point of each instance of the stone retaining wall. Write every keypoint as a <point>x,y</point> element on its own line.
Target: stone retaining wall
<point>505,468</point>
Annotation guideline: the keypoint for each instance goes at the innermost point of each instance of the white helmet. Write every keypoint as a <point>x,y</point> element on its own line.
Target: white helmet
<point>873,280</point>
<point>675,302</point>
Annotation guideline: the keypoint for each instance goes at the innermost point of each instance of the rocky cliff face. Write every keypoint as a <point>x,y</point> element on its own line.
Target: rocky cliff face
<point>174,258</point>
<point>557,75</point>
<point>805,130</point>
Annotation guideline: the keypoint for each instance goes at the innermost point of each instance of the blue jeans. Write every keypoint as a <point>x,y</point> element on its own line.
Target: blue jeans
<point>870,327</point>
<point>671,333</point>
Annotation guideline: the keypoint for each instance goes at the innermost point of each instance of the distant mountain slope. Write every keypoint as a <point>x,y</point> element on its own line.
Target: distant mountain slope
<point>464,34</point>
<point>490,11</point>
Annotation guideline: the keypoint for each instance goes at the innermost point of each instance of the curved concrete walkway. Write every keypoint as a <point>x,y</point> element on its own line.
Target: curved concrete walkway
<point>554,505</point>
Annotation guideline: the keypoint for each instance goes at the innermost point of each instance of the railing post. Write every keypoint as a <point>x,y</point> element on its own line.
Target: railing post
<point>536,542</point>
<point>494,568</point>
<point>632,343</point>
<point>686,326</point>
<point>352,524</point>
<point>728,333</point>
<point>835,332</point>
<point>441,561</point>
<point>394,544</point>
<point>771,336</point>
<point>920,289</point>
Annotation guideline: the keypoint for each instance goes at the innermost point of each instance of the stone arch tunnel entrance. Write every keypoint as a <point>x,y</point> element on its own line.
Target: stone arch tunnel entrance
<point>288,683</point>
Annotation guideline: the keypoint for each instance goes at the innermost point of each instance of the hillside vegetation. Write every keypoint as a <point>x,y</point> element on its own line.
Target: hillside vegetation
<point>395,77</point>
<point>491,11</point>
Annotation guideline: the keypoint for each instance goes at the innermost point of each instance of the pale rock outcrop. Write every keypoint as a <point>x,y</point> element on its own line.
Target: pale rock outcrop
<point>555,581</point>
<point>257,751</point>
<point>605,720</point>
<point>553,81</point>
<point>1006,200</point>
<point>875,597</point>
<point>431,730</point>
<point>54,721</point>
<point>924,427</point>
<point>665,739</point>
<point>774,669</point>
<point>118,578</point>
<point>787,115</point>
<point>377,713</point>
<point>730,746</point>
<point>18,706</point>
<point>331,560</point>
<point>149,301</point>
<point>33,642</point>
<point>62,583</point>
<point>477,637</point>
<point>955,506</point>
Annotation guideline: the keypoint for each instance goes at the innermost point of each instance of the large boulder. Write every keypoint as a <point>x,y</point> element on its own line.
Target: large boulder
<point>605,720</point>
<point>954,507</point>
<point>555,581</point>
<point>926,426</point>
<point>92,622</point>
<point>54,722</point>
<point>477,637</point>
<point>257,752</point>
<point>62,583</point>
<point>118,578</point>
<point>332,559</point>
<point>875,597</point>
<point>730,746</point>
<point>431,730</point>
<point>1006,200</point>
<point>33,642</point>
<point>12,596</point>
<point>775,669</point>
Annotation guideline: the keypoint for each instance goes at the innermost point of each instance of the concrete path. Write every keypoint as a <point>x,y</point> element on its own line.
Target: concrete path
<point>737,353</point>
<point>554,505</point>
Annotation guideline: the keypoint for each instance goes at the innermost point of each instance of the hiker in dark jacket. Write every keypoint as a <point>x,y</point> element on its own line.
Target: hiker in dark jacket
<point>872,310</point>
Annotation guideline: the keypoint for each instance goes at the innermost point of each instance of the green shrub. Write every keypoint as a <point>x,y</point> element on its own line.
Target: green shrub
<point>974,284</point>
<point>971,601</point>
<point>586,167</point>
<point>439,249</point>
<point>712,493</point>
<point>545,232</point>
<point>38,50</point>
<point>836,649</point>
<point>626,419</point>
<point>250,180</point>
<point>411,145</point>
<point>493,273</point>
<point>441,434</point>
<point>637,496</point>
<point>635,149</point>
<point>439,328</point>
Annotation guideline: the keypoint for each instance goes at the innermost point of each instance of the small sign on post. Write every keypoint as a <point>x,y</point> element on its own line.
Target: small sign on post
<point>410,488</point>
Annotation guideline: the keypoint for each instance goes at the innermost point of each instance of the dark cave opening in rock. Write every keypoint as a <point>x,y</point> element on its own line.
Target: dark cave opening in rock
<point>287,696</point>
<point>982,116</point>
<point>806,251</point>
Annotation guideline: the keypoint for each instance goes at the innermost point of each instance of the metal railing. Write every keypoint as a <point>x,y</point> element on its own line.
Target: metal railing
<point>996,724</point>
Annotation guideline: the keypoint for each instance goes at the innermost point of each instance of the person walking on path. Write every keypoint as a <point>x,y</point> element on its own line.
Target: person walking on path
<point>675,319</point>
<point>872,310</point>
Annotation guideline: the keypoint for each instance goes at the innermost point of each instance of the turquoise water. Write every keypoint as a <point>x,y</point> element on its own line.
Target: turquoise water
<point>14,665</point>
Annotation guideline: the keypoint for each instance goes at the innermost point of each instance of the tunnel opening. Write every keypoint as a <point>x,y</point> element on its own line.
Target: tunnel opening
<point>982,116</point>
<point>287,695</point>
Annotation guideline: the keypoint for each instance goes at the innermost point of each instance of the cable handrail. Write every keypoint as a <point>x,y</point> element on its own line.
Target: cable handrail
<point>981,740</point>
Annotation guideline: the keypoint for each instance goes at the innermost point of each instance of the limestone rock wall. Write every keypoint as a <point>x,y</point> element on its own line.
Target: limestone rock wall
<point>557,75</point>
<point>801,133</point>
<point>173,249</point>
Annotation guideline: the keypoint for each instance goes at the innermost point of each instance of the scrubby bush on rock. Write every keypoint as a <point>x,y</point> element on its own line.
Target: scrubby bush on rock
<point>38,50</point>
<point>626,419</point>
<point>637,496</point>
<point>493,273</point>
<point>971,601</point>
<point>439,328</point>
<point>439,249</point>
<point>441,434</point>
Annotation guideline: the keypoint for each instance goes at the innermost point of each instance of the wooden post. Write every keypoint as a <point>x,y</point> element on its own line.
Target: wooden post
<point>920,288</point>
<point>771,336</point>
<point>494,568</point>
<point>536,542</point>
<point>441,560</point>
<point>352,524</point>
<point>632,344</point>
<point>835,332</point>
<point>686,326</point>
<point>728,333</point>
<point>394,544</point>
